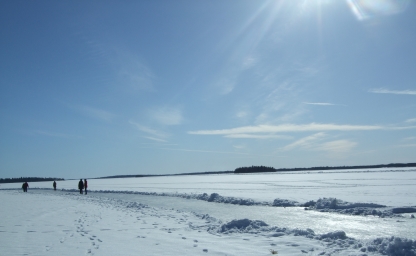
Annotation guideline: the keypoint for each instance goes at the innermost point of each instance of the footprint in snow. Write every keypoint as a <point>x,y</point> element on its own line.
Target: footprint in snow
<point>96,246</point>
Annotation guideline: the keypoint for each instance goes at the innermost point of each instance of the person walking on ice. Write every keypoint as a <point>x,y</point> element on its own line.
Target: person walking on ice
<point>54,185</point>
<point>80,186</point>
<point>85,185</point>
<point>25,186</point>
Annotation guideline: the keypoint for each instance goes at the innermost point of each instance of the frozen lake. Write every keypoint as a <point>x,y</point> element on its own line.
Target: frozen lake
<point>391,187</point>
<point>360,227</point>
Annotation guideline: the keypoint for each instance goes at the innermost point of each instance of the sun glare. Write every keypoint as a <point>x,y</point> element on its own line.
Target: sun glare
<point>367,9</point>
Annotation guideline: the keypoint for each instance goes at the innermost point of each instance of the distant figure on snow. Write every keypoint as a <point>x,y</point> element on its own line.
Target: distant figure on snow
<point>25,186</point>
<point>85,185</point>
<point>80,186</point>
<point>54,185</point>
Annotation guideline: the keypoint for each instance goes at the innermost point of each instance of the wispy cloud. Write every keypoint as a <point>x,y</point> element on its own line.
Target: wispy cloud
<point>409,138</point>
<point>204,151</point>
<point>167,115</point>
<point>337,146</point>
<point>155,139</point>
<point>158,144</point>
<point>132,71</point>
<point>239,146</point>
<point>382,90</point>
<point>306,142</point>
<point>226,85</point>
<point>241,114</point>
<point>135,74</point>
<point>254,136</point>
<point>270,129</point>
<point>156,135</point>
<point>322,104</point>
<point>411,120</point>
<point>94,112</point>
<point>314,143</point>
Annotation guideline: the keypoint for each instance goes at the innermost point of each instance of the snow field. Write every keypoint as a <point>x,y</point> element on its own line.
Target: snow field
<point>42,224</point>
<point>71,224</point>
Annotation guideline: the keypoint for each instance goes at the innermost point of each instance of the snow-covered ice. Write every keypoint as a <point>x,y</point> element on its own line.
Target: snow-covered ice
<point>359,212</point>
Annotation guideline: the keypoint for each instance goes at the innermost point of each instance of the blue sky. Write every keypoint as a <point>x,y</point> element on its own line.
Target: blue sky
<point>99,88</point>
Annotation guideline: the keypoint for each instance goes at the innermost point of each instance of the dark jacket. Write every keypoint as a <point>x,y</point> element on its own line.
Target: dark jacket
<point>80,185</point>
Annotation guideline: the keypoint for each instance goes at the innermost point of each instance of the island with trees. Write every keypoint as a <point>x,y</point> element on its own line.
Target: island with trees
<point>257,169</point>
<point>27,179</point>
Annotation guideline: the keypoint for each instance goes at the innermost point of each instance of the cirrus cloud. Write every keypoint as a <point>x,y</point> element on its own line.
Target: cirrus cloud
<point>288,128</point>
<point>382,90</point>
<point>167,116</point>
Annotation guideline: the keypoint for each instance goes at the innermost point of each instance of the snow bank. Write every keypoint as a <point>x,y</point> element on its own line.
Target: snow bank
<point>392,246</point>
<point>364,209</point>
<point>337,240</point>
<point>244,225</point>
<point>333,203</point>
<point>284,203</point>
<point>322,205</point>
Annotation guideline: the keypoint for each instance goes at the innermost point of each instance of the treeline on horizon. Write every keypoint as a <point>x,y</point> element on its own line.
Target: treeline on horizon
<point>160,175</point>
<point>256,169</point>
<point>27,179</point>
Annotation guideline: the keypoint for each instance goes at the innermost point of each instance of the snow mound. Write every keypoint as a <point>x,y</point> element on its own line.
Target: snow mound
<point>339,234</point>
<point>393,246</point>
<point>301,232</point>
<point>343,207</point>
<point>242,226</point>
<point>217,198</point>
<point>284,203</point>
<point>333,203</point>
